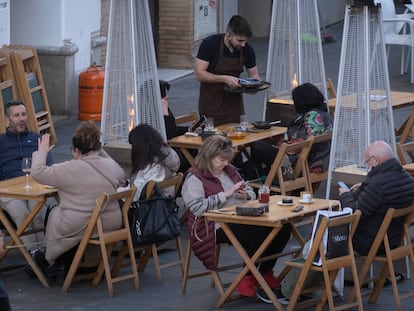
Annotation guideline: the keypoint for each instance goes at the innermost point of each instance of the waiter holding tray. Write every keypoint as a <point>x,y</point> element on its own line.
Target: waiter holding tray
<point>220,60</point>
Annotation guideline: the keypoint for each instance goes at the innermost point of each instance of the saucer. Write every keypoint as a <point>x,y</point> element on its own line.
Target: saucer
<point>306,202</point>
<point>284,204</point>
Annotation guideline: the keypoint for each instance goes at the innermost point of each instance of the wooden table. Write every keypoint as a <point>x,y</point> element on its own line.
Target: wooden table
<point>186,143</point>
<point>275,218</point>
<point>14,188</point>
<point>398,100</point>
<point>409,168</point>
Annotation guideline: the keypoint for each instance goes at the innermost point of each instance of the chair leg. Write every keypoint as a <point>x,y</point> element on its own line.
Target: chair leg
<point>379,284</point>
<point>105,260</point>
<point>119,259</point>
<point>73,267</point>
<point>217,282</point>
<point>156,261</point>
<point>180,254</point>
<point>143,261</point>
<point>186,267</point>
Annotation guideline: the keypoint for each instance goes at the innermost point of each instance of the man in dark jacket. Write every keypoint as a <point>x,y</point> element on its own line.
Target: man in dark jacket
<point>387,185</point>
<point>18,143</point>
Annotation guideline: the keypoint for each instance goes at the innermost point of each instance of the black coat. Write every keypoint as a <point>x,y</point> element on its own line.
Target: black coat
<point>387,185</point>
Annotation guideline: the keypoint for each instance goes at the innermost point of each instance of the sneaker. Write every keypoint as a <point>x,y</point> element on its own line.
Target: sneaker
<point>271,280</point>
<point>247,286</point>
<point>261,294</point>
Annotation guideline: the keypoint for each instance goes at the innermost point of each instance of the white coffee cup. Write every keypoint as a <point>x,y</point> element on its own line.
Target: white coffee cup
<point>307,197</point>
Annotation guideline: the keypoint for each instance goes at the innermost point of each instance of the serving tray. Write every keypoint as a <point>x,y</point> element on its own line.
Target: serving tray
<point>262,87</point>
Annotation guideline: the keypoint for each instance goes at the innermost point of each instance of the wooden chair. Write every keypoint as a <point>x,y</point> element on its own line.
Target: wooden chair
<point>215,278</point>
<point>329,267</point>
<point>316,178</point>
<point>404,250</point>
<point>106,240</point>
<point>404,150</point>
<point>330,88</point>
<point>300,168</point>
<point>187,118</point>
<point>152,249</point>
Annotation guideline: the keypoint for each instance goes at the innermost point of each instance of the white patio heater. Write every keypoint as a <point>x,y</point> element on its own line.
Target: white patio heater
<point>295,55</point>
<point>131,88</point>
<point>363,111</point>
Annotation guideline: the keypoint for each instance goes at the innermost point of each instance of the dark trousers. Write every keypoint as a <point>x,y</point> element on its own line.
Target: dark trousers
<point>251,237</point>
<point>4,298</point>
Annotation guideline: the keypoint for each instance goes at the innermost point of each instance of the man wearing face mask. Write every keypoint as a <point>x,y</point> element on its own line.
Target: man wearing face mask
<point>220,60</point>
<point>387,185</point>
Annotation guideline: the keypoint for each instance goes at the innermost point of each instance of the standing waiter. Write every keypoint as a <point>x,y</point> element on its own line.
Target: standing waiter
<point>220,60</point>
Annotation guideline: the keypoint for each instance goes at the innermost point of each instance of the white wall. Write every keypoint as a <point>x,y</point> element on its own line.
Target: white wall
<point>54,22</point>
<point>4,22</point>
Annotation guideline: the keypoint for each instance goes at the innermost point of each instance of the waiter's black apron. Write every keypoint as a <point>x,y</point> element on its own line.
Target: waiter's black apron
<point>224,107</point>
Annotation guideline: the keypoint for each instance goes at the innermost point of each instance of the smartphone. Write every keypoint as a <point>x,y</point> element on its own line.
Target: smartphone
<point>342,185</point>
<point>199,123</point>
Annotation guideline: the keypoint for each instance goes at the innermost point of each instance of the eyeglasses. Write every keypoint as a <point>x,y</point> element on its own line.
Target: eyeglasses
<point>367,161</point>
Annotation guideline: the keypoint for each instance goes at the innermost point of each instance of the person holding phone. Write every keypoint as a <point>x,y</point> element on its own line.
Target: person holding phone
<point>386,185</point>
<point>213,183</point>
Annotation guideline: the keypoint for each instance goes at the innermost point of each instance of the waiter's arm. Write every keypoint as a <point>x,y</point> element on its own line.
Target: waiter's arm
<point>253,72</point>
<point>202,75</point>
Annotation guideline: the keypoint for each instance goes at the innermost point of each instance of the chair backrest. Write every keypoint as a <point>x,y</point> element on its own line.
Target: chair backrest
<point>330,88</point>
<point>104,198</point>
<point>388,13</point>
<point>188,118</point>
<point>175,181</point>
<point>405,149</point>
<point>392,214</point>
<point>300,168</point>
<point>329,223</point>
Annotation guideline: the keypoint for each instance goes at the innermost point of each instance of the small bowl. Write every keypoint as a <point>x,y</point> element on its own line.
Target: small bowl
<point>236,135</point>
<point>262,125</point>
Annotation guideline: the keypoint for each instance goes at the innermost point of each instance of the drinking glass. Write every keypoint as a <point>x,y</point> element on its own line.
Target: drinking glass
<point>244,124</point>
<point>209,124</point>
<point>264,194</point>
<point>26,167</point>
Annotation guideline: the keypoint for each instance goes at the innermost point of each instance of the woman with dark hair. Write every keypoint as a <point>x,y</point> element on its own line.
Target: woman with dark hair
<point>151,157</point>
<point>313,119</point>
<point>79,181</point>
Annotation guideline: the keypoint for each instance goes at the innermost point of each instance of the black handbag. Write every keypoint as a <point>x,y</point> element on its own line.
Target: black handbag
<point>155,219</point>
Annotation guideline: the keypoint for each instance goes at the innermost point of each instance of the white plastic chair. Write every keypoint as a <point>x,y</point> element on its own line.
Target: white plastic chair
<point>399,30</point>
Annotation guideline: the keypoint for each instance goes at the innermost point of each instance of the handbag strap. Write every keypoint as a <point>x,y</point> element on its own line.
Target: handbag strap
<point>102,174</point>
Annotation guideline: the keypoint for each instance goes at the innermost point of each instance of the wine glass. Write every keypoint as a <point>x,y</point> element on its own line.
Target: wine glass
<point>26,167</point>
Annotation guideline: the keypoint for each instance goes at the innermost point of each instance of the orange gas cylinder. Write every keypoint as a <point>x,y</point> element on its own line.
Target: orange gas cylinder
<point>91,84</point>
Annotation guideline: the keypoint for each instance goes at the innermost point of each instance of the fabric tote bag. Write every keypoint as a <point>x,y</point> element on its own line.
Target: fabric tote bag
<point>334,242</point>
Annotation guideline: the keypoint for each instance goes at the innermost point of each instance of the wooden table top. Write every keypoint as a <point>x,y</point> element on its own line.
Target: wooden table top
<point>14,188</point>
<point>398,100</point>
<point>277,213</point>
<point>195,142</point>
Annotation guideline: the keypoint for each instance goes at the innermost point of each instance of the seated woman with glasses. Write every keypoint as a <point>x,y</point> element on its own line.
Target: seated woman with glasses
<point>213,183</point>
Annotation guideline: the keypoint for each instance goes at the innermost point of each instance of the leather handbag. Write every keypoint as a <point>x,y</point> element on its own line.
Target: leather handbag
<point>155,219</point>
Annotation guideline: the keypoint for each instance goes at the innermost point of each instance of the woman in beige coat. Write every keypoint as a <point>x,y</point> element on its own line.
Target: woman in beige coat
<point>79,182</point>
